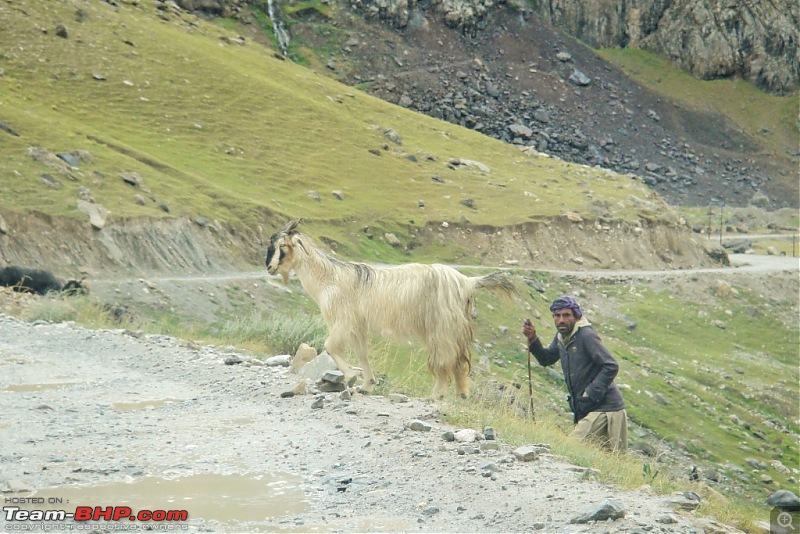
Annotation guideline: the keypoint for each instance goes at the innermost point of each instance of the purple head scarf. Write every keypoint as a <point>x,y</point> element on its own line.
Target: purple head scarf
<point>562,303</point>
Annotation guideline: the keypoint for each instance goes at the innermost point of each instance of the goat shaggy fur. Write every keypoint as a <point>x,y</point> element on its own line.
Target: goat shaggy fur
<point>431,304</point>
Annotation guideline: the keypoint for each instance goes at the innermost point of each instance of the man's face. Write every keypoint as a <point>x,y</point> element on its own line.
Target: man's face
<point>565,320</point>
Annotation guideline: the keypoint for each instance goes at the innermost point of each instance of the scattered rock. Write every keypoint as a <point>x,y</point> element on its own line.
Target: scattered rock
<point>5,127</point>
<point>333,377</point>
<point>579,78</point>
<point>392,240</point>
<point>131,178</point>
<point>284,360</point>
<point>687,500</point>
<point>97,213</point>
<point>393,136</point>
<point>418,425</point>
<point>608,509</point>
<point>304,354</point>
<point>302,387</point>
<point>526,453</point>
<point>785,500</point>
<point>50,181</point>
<point>466,435</point>
<point>316,368</point>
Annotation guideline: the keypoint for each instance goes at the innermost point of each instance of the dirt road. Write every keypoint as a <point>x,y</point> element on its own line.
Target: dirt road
<point>111,419</point>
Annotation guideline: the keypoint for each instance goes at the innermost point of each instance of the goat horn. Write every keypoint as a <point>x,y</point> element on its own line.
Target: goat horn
<point>291,226</point>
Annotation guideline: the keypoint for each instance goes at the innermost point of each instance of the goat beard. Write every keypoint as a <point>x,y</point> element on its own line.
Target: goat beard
<point>285,278</point>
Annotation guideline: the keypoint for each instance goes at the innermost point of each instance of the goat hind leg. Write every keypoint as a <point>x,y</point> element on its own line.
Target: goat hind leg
<point>461,373</point>
<point>362,350</point>
<point>442,376</point>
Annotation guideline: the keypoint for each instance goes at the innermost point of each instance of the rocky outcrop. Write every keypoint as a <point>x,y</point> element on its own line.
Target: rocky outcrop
<point>219,8</point>
<point>465,15</point>
<point>755,40</point>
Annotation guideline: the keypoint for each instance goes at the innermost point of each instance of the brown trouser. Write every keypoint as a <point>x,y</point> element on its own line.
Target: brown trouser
<point>610,429</point>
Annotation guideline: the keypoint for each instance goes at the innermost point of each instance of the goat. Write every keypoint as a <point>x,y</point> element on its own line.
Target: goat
<point>412,302</point>
<point>26,280</point>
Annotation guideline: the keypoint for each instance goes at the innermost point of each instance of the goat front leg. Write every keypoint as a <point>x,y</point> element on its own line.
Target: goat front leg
<point>336,348</point>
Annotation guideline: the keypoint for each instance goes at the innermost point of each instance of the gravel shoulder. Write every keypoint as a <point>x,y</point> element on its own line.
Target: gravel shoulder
<point>112,418</point>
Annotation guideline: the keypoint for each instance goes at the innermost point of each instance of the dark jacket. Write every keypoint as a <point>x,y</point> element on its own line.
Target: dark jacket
<point>588,368</point>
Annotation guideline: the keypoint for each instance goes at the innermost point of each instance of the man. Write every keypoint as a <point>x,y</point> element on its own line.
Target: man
<point>589,370</point>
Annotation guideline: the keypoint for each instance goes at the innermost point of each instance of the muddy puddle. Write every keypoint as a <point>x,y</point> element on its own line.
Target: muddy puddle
<point>211,497</point>
<point>28,388</point>
<point>141,405</point>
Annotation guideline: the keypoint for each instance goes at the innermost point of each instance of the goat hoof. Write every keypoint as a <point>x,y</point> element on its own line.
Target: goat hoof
<point>351,380</point>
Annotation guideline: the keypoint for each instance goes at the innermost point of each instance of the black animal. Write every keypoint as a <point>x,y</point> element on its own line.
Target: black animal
<point>37,281</point>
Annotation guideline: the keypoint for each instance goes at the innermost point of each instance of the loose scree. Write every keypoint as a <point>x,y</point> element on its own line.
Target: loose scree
<point>429,304</point>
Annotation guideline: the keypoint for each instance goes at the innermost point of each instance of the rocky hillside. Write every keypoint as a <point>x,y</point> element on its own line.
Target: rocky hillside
<point>510,73</point>
<point>754,40</point>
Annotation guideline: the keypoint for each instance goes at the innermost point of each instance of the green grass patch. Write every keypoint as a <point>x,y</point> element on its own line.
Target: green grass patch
<point>276,332</point>
<point>229,132</point>
<point>769,119</point>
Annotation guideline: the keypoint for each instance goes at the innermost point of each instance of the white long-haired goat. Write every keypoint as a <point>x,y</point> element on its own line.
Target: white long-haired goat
<point>431,304</point>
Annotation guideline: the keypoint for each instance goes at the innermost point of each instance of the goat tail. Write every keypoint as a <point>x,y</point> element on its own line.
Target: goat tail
<point>497,282</point>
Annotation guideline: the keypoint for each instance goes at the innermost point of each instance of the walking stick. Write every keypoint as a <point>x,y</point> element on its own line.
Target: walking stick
<point>530,386</point>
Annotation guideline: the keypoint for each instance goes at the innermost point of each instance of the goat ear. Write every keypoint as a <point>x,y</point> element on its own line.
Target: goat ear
<point>300,242</point>
<point>291,226</point>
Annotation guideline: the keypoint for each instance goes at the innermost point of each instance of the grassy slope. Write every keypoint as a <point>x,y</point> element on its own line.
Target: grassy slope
<point>230,132</point>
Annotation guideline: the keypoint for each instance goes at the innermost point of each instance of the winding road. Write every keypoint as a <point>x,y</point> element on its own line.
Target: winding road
<point>740,263</point>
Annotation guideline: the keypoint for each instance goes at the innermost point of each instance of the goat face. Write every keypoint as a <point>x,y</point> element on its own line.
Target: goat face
<point>280,253</point>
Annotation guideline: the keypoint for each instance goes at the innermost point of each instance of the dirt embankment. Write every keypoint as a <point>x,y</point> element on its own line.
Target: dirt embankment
<point>565,244</point>
<point>71,247</point>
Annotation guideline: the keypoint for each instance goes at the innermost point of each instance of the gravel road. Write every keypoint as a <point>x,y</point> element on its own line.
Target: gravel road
<point>115,419</point>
